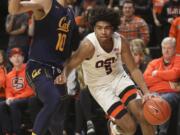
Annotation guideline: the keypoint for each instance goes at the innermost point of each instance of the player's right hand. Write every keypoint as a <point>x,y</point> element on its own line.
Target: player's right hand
<point>60,79</point>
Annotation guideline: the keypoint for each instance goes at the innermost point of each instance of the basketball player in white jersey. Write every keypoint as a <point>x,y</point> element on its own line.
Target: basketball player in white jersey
<point>101,54</point>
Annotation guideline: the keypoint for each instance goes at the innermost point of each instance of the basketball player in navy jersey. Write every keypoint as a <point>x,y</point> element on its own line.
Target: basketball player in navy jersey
<point>102,54</point>
<point>54,37</point>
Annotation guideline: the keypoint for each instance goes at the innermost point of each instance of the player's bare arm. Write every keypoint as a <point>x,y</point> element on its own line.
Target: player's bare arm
<point>134,71</point>
<point>85,51</point>
<point>18,6</point>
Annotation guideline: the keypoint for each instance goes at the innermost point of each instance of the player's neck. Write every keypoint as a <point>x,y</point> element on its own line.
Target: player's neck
<point>107,45</point>
<point>62,2</point>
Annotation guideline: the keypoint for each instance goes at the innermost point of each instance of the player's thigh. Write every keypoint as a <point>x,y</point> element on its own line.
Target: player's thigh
<point>106,98</point>
<point>136,108</point>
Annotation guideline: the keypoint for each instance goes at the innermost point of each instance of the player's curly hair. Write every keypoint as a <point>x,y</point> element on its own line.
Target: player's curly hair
<point>104,14</point>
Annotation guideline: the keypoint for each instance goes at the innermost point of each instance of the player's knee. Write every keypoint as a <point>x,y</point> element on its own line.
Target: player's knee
<point>128,127</point>
<point>139,116</point>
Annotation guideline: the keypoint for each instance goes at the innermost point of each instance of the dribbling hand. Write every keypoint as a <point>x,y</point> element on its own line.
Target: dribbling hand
<point>148,96</point>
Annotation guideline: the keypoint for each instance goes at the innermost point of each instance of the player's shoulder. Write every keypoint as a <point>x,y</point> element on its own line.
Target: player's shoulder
<point>86,42</point>
<point>91,36</point>
<point>87,45</point>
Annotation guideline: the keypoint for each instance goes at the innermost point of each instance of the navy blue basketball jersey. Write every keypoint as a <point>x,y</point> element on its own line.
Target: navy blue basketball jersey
<point>53,40</point>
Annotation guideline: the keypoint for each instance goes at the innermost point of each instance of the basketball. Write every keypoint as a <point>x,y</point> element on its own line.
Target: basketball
<point>156,111</point>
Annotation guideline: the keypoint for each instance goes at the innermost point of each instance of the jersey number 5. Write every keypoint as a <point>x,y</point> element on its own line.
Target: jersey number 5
<point>61,42</point>
<point>106,64</point>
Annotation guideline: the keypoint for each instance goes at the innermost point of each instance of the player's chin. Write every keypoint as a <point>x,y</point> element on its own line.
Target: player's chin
<point>104,39</point>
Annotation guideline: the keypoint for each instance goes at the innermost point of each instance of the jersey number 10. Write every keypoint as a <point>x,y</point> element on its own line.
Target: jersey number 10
<point>61,42</point>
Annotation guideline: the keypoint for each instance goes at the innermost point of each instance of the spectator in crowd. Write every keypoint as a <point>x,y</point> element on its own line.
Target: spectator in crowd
<point>131,26</point>
<point>103,72</point>
<point>114,4</point>
<point>143,9</point>
<point>82,24</point>
<point>169,12</point>
<point>3,73</point>
<point>175,32</point>
<point>18,93</point>
<point>162,75</point>
<point>89,3</point>
<point>140,53</point>
<point>3,34</point>
<point>156,11</point>
<point>17,28</point>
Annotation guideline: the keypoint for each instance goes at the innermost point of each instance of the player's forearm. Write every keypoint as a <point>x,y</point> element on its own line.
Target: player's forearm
<point>138,78</point>
<point>14,6</point>
<point>67,70</point>
<point>69,67</point>
<point>71,64</point>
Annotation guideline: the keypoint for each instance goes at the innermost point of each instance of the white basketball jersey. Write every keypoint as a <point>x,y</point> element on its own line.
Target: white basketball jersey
<point>103,67</point>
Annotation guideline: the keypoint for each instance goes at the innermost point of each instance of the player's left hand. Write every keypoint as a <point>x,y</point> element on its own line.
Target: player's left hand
<point>60,79</point>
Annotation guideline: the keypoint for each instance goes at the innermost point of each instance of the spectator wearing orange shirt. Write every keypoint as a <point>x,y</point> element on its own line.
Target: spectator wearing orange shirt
<point>17,92</point>
<point>133,27</point>
<point>175,32</point>
<point>162,74</point>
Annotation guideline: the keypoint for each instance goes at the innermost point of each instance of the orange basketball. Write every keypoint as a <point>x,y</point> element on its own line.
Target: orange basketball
<point>156,111</point>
